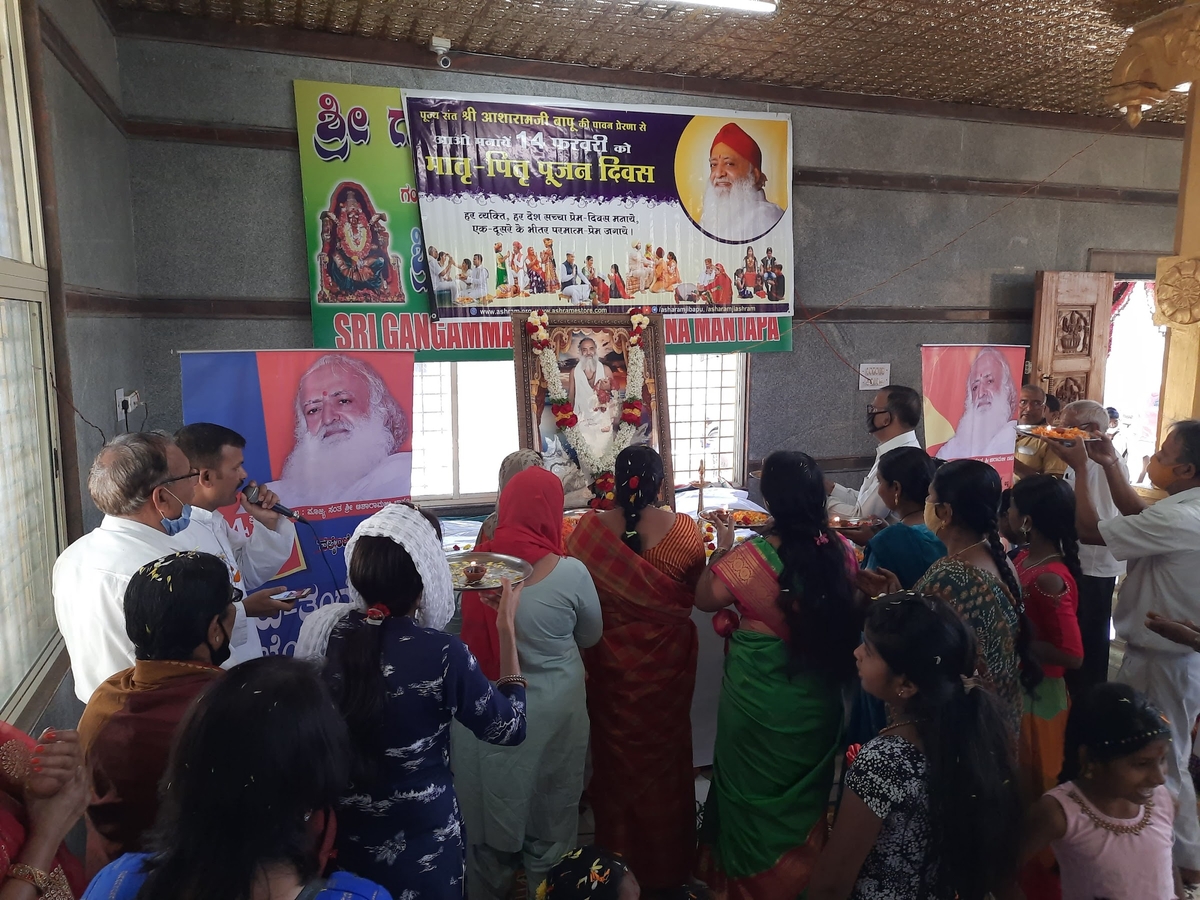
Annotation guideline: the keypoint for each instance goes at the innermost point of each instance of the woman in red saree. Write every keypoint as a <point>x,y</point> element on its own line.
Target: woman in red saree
<point>43,792</point>
<point>645,562</point>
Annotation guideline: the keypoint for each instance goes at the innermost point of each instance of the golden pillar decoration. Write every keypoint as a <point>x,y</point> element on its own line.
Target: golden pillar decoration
<point>1163,55</point>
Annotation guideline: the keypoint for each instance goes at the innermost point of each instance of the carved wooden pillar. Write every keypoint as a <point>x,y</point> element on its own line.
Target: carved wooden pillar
<point>1163,55</point>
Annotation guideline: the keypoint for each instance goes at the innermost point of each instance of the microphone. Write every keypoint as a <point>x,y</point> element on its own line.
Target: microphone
<point>252,493</point>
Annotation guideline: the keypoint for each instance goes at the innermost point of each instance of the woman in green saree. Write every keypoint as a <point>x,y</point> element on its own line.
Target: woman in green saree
<point>780,716</point>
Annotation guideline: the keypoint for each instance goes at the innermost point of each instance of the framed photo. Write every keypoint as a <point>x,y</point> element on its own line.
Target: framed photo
<point>589,385</point>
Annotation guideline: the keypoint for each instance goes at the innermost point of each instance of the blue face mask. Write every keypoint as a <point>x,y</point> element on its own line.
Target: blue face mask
<point>174,526</point>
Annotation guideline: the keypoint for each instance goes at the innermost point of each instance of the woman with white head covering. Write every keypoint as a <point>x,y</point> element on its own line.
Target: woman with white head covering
<point>398,682</point>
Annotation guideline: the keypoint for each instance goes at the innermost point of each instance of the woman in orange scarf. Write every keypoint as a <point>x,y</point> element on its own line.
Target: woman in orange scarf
<point>645,562</point>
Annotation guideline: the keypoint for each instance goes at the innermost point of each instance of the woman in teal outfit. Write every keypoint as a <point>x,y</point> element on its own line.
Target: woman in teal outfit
<point>907,548</point>
<point>520,804</point>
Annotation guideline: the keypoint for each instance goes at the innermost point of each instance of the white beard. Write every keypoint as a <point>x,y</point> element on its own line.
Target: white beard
<point>978,428</point>
<point>739,212</point>
<point>588,364</point>
<point>329,467</point>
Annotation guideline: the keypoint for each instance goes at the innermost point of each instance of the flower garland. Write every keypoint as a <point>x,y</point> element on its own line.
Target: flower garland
<point>599,467</point>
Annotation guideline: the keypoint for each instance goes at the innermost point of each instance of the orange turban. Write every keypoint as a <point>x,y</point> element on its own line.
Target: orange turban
<point>732,136</point>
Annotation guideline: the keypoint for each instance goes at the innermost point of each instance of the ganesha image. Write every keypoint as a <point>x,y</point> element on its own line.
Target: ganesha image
<point>354,263</point>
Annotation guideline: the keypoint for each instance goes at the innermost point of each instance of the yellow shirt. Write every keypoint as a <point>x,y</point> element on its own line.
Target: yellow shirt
<point>1036,453</point>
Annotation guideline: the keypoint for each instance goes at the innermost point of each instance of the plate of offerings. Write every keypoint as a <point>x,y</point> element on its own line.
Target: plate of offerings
<point>1057,433</point>
<point>848,523</point>
<point>742,518</point>
<point>475,571</point>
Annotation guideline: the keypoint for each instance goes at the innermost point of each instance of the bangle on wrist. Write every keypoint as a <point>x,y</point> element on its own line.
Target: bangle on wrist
<point>50,885</point>
<point>511,679</point>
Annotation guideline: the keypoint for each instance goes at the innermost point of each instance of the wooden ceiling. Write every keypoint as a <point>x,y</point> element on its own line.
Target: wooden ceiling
<point>1043,55</point>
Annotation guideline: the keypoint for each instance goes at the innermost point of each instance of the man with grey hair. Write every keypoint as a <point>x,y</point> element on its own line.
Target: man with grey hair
<point>143,484</point>
<point>988,424</point>
<point>1100,568</point>
<point>349,435</point>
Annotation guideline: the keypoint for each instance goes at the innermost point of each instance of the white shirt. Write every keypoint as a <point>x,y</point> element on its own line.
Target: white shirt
<point>844,501</point>
<point>251,561</point>
<point>1094,559</point>
<point>477,281</point>
<point>1162,546</point>
<point>89,584</point>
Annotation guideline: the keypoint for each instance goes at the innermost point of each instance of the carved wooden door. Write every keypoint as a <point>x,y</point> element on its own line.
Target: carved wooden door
<point>1070,334</point>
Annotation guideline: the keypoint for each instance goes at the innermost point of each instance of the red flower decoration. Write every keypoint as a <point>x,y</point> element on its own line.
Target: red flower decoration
<point>530,328</point>
<point>852,753</point>
<point>633,483</point>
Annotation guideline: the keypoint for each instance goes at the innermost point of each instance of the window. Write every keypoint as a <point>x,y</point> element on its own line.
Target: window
<point>31,521</point>
<point>465,423</point>
<point>707,394</point>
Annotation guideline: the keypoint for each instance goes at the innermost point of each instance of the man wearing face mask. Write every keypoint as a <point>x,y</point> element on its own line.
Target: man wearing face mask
<point>892,419</point>
<point>216,452</point>
<point>143,484</point>
<point>1161,545</point>
<point>179,614</point>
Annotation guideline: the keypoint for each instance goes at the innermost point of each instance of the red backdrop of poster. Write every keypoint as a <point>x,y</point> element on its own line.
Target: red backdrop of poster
<point>971,393</point>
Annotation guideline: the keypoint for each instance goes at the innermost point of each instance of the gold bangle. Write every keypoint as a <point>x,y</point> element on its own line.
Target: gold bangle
<point>512,679</point>
<point>46,884</point>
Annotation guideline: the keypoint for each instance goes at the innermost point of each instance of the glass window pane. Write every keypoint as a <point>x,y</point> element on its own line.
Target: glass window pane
<point>487,423</point>
<point>706,422</point>
<point>433,439</point>
<point>27,526</point>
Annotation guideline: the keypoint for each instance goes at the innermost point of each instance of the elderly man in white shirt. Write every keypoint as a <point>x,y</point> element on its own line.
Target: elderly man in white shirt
<point>1100,568</point>
<point>892,419</point>
<point>572,284</point>
<point>1161,545</point>
<point>216,452</point>
<point>143,484</point>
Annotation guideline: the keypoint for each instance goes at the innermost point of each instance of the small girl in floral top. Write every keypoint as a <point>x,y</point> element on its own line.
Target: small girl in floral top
<point>931,809</point>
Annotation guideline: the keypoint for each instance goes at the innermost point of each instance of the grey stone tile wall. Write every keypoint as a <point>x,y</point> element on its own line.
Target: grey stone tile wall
<point>92,177</point>
<point>183,81</point>
<point>80,21</point>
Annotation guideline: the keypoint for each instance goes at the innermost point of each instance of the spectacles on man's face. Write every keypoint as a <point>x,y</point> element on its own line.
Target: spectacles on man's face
<point>193,474</point>
<point>872,411</point>
<point>1027,401</point>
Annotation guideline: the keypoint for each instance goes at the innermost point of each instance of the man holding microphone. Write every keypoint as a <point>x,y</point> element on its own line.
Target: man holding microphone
<point>216,452</point>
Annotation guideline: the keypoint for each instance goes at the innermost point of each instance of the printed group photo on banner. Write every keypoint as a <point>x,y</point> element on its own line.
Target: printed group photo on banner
<point>542,204</point>
<point>971,395</point>
<point>329,432</point>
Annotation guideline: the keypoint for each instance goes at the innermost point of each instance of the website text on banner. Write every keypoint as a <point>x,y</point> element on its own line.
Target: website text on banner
<point>971,393</point>
<point>370,278</point>
<point>329,432</point>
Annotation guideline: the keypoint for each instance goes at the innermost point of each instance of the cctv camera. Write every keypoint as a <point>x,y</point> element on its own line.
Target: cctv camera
<point>444,60</point>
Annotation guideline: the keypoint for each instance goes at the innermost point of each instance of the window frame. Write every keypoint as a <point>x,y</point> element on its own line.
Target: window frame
<point>456,499</point>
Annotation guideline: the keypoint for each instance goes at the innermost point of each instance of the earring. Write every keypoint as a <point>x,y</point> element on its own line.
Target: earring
<point>1025,530</point>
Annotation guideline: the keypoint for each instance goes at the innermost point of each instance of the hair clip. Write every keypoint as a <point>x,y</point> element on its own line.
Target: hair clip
<point>821,539</point>
<point>937,660</point>
<point>377,613</point>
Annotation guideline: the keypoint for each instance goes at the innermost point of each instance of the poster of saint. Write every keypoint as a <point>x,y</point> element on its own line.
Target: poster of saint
<point>971,393</point>
<point>587,388</point>
<point>329,432</point>
<point>532,204</point>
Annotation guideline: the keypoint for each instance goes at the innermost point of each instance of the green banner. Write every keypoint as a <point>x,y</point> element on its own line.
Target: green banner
<point>368,274</point>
